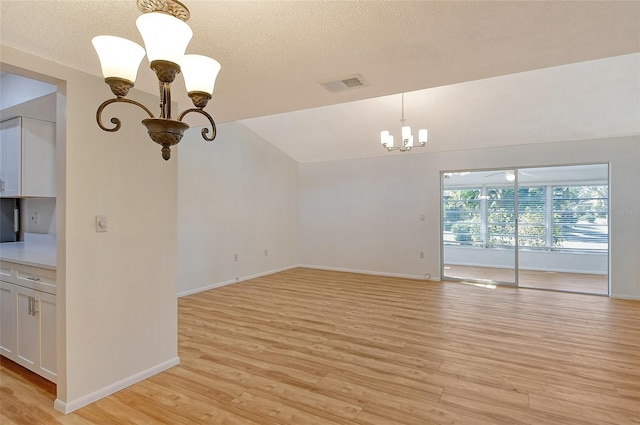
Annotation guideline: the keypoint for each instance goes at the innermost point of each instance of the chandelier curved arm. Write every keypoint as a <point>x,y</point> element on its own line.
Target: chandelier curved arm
<point>115,120</point>
<point>205,130</point>
<point>398,148</point>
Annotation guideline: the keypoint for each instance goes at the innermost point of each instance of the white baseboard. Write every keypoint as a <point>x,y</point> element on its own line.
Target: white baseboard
<point>68,407</point>
<point>371,272</point>
<point>229,282</point>
<point>625,297</point>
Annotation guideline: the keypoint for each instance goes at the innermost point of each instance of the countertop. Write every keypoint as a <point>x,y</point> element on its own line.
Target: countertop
<point>38,250</point>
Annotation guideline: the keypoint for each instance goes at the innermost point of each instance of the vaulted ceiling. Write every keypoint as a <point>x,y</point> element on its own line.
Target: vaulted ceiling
<point>275,54</point>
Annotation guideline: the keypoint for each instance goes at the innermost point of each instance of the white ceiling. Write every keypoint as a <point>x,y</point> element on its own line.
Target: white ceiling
<point>274,54</point>
<point>587,100</point>
<point>15,90</point>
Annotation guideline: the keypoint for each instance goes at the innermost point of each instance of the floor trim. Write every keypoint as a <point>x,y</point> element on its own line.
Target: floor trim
<point>83,401</point>
<point>236,280</point>
<point>625,297</point>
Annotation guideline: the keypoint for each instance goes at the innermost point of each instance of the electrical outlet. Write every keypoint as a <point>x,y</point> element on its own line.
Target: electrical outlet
<point>421,254</point>
<point>266,252</point>
<point>421,217</point>
<point>35,217</point>
<point>235,257</point>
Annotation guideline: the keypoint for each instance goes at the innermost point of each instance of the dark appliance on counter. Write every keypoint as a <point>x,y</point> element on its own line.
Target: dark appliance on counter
<point>9,220</point>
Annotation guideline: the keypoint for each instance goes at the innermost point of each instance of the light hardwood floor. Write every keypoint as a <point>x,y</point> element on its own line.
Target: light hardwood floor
<point>315,347</point>
<point>557,281</point>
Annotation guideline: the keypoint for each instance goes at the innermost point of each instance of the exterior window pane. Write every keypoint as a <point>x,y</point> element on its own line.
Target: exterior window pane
<point>532,217</point>
<point>500,218</point>
<point>461,217</point>
<point>581,218</point>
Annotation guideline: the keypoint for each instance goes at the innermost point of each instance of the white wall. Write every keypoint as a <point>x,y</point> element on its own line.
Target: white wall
<point>236,195</point>
<point>117,312</point>
<point>364,214</point>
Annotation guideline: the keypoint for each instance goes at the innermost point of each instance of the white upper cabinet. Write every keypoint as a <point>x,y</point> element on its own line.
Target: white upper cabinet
<point>10,154</point>
<point>27,158</point>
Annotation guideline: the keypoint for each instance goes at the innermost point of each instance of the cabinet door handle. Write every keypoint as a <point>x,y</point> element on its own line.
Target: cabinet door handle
<point>30,306</point>
<point>35,279</point>
<point>1,185</point>
<point>35,305</point>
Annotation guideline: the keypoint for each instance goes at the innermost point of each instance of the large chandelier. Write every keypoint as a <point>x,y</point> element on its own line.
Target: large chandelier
<point>407,138</point>
<point>166,35</point>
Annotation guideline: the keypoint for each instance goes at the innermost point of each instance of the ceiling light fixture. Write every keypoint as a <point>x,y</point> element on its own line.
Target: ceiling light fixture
<point>166,35</point>
<point>510,175</point>
<point>407,138</point>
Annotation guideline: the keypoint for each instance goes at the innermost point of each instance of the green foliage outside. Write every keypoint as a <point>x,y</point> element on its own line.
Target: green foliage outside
<point>571,205</point>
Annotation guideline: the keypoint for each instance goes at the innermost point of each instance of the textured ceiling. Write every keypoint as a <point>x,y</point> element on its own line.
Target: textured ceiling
<point>274,54</point>
<point>586,100</point>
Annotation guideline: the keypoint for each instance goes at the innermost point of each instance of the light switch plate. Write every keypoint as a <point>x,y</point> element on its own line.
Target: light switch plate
<point>101,223</point>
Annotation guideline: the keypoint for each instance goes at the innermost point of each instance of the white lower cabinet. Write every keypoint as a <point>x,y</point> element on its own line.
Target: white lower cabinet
<point>36,331</point>
<point>7,320</point>
<point>29,323</point>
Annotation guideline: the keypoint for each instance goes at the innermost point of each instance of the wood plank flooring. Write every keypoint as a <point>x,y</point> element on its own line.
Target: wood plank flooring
<point>316,347</point>
<point>558,281</point>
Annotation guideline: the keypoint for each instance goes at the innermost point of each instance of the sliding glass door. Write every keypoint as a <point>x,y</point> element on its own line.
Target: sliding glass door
<point>564,228</point>
<point>479,226</point>
<point>557,217</point>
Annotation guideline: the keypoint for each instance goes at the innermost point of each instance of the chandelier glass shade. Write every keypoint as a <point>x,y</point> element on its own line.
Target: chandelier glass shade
<point>119,57</point>
<point>197,71</point>
<point>407,141</point>
<point>166,36</point>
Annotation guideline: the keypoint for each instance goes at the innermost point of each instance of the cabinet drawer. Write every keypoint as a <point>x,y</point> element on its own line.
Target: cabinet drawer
<point>6,272</point>
<point>35,278</point>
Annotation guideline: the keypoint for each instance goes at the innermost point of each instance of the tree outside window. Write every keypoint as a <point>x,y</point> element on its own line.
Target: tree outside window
<point>549,217</point>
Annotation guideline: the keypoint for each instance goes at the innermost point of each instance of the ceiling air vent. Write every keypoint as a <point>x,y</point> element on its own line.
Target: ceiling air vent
<point>346,83</point>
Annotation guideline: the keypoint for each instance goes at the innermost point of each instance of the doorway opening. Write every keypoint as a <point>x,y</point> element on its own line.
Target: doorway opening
<point>542,227</point>
<point>39,103</point>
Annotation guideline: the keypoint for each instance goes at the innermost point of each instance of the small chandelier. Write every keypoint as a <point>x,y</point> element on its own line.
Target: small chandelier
<point>166,35</point>
<point>407,138</point>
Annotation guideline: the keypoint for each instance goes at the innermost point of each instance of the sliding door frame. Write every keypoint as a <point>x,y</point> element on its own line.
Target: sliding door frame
<point>516,187</point>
